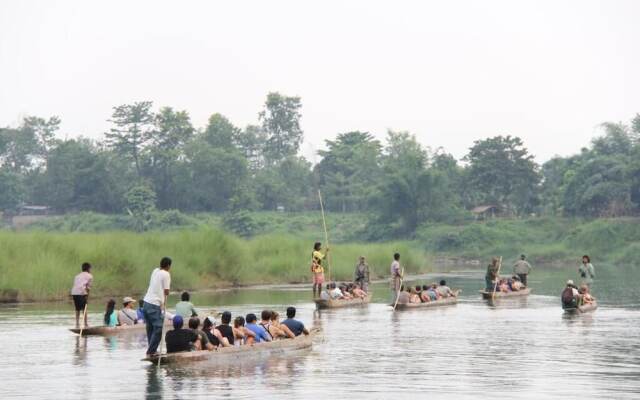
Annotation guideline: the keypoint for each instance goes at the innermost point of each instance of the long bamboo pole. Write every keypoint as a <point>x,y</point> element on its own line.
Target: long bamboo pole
<point>326,237</point>
<point>493,294</point>
<point>84,315</point>
<point>164,314</point>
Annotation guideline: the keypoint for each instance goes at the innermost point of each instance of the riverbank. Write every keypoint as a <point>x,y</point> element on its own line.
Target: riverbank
<point>39,266</point>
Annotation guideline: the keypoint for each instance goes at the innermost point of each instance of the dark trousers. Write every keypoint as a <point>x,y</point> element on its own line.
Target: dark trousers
<point>154,321</point>
<point>523,278</point>
<point>489,283</point>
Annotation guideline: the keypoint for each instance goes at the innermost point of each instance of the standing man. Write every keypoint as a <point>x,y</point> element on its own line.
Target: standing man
<point>522,269</point>
<point>80,292</point>
<point>361,276</point>
<point>491,275</point>
<point>396,277</point>
<point>586,271</point>
<point>317,269</point>
<point>154,302</point>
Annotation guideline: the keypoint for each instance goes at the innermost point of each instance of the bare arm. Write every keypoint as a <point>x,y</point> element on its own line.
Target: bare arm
<point>287,331</point>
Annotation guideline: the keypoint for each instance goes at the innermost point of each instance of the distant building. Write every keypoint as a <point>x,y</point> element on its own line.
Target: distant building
<point>485,211</point>
<point>33,210</point>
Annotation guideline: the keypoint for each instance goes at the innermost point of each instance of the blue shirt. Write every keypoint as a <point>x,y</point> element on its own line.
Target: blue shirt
<point>296,326</point>
<point>261,334</point>
<point>140,315</point>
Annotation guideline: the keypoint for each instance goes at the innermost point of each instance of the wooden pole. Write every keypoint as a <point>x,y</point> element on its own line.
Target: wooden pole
<point>164,314</point>
<point>399,288</point>
<point>493,295</point>
<point>84,315</point>
<point>326,236</point>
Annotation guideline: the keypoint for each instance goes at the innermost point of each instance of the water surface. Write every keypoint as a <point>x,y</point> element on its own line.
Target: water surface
<point>522,348</point>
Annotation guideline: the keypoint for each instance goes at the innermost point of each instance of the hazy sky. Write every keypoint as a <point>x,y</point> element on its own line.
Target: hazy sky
<point>449,71</point>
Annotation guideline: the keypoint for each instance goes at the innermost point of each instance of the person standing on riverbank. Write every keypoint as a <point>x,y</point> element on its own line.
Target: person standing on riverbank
<point>361,276</point>
<point>396,277</point>
<point>522,269</point>
<point>317,269</point>
<point>154,302</point>
<point>586,271</point>
<point>80,292</point>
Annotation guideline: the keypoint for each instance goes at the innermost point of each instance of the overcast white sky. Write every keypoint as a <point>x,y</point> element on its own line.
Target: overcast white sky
<point>449,71</point>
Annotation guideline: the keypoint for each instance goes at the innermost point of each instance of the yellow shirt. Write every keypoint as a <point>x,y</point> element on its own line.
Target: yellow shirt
<point>316,262</point>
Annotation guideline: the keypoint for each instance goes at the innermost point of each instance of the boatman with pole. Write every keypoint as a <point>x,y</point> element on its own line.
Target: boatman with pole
<point>155,304</point>
<point>396,277</point>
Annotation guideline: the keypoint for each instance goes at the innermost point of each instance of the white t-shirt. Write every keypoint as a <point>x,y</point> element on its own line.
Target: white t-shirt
<point>160,280</point>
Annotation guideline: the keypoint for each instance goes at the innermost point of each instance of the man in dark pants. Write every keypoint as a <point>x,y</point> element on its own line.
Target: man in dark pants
<point>522,269</point>
<point>154,302</point>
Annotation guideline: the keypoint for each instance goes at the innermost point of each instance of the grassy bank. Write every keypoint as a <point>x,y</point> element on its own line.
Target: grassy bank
<point>544,240</point>
<point>41,265</point>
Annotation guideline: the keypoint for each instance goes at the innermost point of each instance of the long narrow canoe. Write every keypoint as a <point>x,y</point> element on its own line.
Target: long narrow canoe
<point>449,301</point>
<point>322,304</point>
<point>499,295</point>
<point>112,331</point>
<point>234,353</point>
<point>582,309</point>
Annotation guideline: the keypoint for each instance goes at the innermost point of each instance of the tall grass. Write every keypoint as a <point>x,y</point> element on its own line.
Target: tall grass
<point>41,265</point>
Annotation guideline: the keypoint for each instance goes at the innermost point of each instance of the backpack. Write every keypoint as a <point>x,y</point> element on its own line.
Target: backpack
<point>567,296</point>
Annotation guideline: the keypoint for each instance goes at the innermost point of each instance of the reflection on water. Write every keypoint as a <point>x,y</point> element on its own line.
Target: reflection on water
<point>516,348</point>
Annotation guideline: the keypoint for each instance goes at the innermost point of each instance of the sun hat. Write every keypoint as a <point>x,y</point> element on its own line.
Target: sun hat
<point>128,300</point>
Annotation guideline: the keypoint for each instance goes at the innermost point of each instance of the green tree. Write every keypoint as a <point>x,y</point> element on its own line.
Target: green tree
<point>11,189</point>
<point>172,132</point>
<point>349,169</point>
<point>26,146</point>
<point>503,172</point>
<point>251,143</point>
<point>141,205</point>
<point>220,132</point>
<point>132,130</point>
<point>281,122</point>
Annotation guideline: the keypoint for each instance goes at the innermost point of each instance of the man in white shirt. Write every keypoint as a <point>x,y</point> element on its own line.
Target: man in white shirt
<point>154,304</point>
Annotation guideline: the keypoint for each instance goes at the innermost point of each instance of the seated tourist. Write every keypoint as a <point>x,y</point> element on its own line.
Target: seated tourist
<point>503,286</point>
<point>585,295</point>
<point>403,297</point>
<point>570,295</point>
<point>358,292</point>
<point>424,294</point>
<point>444,290</point>
<point>434,289</point>
<point>110,315</point>
<point>244,335</point>
<point>515,283</point>
<point>180,339</point>
<point>225,327</point>
<point>325,293</point>
<point>205,344</point>
<point>293,324</point>
<point>213,334</point>
<point>414,297</point>
<point>127,316</point>
<point>139,312</point>
<point>279,328</point>
<point>345,292</point>
<point>185,308</point>
<point>335,293</point>
<point>261,335</point>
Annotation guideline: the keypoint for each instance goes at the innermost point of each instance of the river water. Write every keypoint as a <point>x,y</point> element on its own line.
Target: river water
<point>522,349</point>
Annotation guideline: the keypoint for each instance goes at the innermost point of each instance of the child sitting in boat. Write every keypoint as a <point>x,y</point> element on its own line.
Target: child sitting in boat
<point>414,297</point>
<point>345,292</point>
<point>357,292</point>
<point>585,295</point>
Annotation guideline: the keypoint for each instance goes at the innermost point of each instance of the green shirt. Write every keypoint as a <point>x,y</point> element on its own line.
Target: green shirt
<point>185,309</point>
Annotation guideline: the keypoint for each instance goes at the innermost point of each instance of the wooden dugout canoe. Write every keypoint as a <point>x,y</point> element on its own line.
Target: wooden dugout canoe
<point>113,331</point>
<point>501,295</point>
<point>235,353</point>
<point>323,304</point>
<point>582,309</point>
<point>449,301</point>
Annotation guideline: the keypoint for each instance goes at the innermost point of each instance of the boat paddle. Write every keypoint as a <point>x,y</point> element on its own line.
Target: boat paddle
<point>493,294</point>
<point>164,314</point>
<point>399,288</point>
<point>326,236</point>
<point>84,315</point>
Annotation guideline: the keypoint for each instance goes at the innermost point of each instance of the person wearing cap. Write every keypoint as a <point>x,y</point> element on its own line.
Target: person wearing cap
<point>570,295</point>
<point>180,339</point>
<point>127,316</point>
<point>522,269</point>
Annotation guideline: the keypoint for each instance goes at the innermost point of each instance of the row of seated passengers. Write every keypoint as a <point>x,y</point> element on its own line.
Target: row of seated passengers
<point>425,293</point>
<point>572,296</point>
<point>346,291</point>
<point>512,284</point>
<point>209,336</point>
